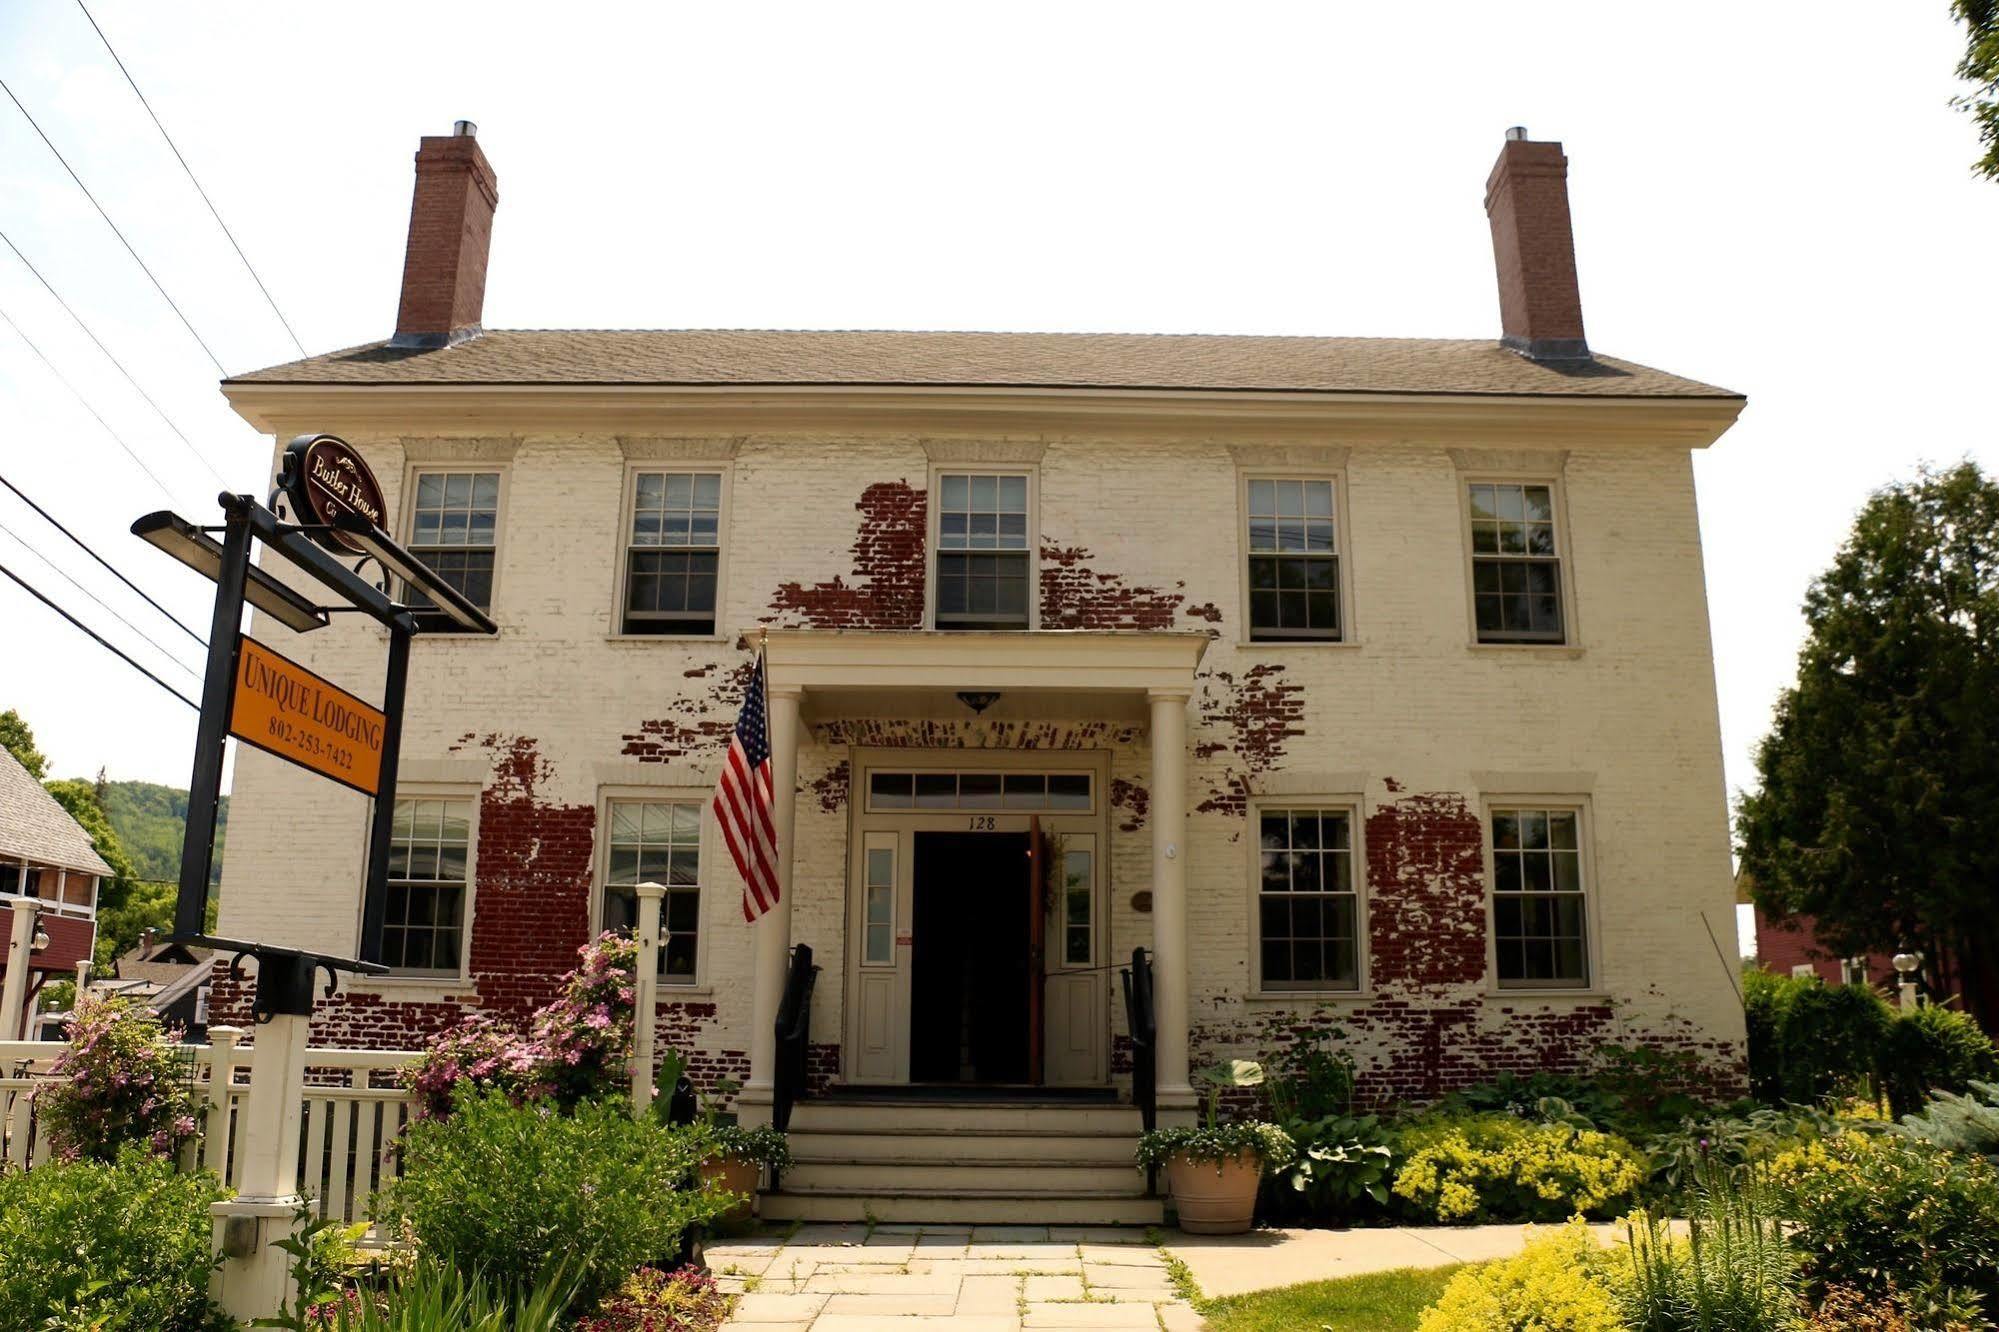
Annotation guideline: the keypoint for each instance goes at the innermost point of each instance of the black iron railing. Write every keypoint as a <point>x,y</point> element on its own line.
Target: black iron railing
<point>794,1021</point>
<point>1138,1019</point>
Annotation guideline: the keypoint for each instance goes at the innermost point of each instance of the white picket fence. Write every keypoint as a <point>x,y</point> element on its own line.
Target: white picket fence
<point>354,1112</point>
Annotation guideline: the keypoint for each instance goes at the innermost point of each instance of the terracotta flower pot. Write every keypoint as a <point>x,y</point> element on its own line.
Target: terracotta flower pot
<point>1212,1200</point>
<point>740,1177</point>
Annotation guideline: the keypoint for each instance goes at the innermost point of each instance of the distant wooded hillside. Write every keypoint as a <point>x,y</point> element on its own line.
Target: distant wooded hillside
<point>149,820</point>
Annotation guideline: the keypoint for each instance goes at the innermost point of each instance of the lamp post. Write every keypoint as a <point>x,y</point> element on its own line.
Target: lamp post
<point>1906,966</point>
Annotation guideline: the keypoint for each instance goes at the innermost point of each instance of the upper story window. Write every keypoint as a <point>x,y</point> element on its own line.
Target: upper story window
<point>1516,564</point>
<point>454,527</point>
<point>673,553</point>
<point>1307,900</point>
<point>982,564</point>
<point>658,841</point>
<point>1294,562</point>
<point>430,869</point>
<point>1539,924</point>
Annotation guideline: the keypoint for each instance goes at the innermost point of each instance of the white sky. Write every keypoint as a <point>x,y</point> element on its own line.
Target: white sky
<point>1768,199</point>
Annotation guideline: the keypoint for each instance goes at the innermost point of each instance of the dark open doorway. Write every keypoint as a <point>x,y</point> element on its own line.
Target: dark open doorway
<point>969,970</point>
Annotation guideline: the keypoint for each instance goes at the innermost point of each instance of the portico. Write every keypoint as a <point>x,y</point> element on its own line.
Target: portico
<point>1129,678</point>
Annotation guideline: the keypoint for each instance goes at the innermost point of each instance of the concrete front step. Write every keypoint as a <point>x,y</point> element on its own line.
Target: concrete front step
<point>1054,1118</point>
<point>814,1172</point>
<point>962,1208</point>
<point>966,1145</point>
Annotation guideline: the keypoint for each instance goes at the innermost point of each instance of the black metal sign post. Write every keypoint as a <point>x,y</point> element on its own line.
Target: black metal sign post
<point>285,975</point>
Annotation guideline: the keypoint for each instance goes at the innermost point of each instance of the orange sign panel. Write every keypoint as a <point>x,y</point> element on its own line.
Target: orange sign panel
<point>284,709</point>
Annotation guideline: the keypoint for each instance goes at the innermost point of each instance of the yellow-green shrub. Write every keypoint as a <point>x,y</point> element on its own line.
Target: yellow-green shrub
<point>1558,1283</point>
<point>1500,1168</point>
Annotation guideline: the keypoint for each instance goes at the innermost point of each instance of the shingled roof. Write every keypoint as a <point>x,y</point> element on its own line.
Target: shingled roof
<point>34,828</point>
<point>1170,362</point>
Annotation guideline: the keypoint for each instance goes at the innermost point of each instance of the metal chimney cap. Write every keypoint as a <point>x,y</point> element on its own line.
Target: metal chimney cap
<point>464,129</point>
<point>1515,134</point>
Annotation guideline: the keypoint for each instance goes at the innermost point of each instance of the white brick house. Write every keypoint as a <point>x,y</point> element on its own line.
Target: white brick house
<point>1363,682</point>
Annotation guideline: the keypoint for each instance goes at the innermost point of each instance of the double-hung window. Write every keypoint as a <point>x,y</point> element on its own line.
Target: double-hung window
<point>658,841</point>
<point>1307,900</point>
<point>430,870</point>
<point>1515,563</point>
<point>982,551</point>
<point>1539,916</point>
<point>1294,561</point>
<point>454,527</point>
<point>673,553</point>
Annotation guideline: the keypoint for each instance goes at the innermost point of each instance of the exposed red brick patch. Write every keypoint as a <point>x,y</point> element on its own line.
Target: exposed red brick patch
<point>1134,800</point>
<point>831,787</point>
<point>886,587</point>
<point>661,738</point>
<point>1426,886</point>
<point>1075,596</point>
<point>1259,712</point>
<point>1207,610</point>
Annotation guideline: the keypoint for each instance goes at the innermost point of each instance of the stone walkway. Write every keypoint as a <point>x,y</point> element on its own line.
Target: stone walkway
<point>829,1278</point>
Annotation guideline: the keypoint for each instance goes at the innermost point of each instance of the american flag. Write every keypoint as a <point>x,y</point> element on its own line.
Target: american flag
<point>743,800</point>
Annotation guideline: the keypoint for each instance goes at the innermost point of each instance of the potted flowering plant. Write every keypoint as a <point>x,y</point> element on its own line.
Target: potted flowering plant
<point>740,1155</point>
<point>1212,1168</point>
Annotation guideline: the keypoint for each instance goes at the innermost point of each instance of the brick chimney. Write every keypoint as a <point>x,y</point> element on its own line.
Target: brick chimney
<point>451,227</point>
<point>1527,202</point>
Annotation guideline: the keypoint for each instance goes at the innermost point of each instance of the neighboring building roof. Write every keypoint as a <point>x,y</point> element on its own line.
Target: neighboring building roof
<point>34,828</point>
<point>1183,362</point>
<point>137,965</point>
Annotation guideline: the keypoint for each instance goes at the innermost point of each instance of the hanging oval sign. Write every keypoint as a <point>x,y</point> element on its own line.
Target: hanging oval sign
<point>324,478</point>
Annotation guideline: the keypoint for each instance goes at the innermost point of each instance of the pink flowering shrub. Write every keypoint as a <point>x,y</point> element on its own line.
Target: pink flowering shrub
<point>118,1082</point>
<point>575,1048</point>
<point>685,1300</point>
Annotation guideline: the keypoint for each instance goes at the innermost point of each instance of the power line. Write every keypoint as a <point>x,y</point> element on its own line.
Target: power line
<point>107,609</point>
<point>213,211</point>
<point>85,547</point>
<point>120,439</point>
<point>114,230</point>
<point>101,640</point>
<point>98,342</point>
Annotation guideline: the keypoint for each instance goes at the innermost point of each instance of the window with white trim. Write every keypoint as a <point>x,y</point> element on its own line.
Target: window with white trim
<point>982,562</point>
<point>454,528</point>
<point>1294,564</point>
<point>1539,913</point>
<point>1307,900</point>
<point>430,870</point>
<point>658,841</point>
<point>1516,564</point>
<point>673,553</point>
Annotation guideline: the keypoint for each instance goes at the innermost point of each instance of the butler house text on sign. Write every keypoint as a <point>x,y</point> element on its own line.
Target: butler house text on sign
<point>282,707</point>
<point>325,478</point>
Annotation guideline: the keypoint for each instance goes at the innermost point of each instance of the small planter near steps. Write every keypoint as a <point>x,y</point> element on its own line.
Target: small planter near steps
<point>1212,1169</point>
<point>741,1155</point>
<point>1214,1197</point>
<point>736,1176</point>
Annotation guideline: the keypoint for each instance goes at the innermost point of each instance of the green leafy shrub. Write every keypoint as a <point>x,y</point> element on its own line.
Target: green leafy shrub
<point>1959,1123</point>
<point>436,1297</point>
<point>1678,1155</point>
<point>118,1082</point>
<point>525,1191</point>
<point>1499,1168</point>
<point>1933,1049</point>
<point>1342,1168</point>
<point>1735,1271</point>
<point>124,1244</point>
<point>1809,1040</point>
<point>688,1300</point>
<point>1890,1217</point>
<point>1313,1081</point>
<point>1558,1283</point>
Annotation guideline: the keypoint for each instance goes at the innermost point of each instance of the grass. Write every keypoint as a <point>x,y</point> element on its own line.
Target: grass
<point>1377,1302</point>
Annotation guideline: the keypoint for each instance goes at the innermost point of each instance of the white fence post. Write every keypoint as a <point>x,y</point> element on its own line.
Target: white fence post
<point>221,1077</point>
<point>254,1278</point>
<point>645,1014</point>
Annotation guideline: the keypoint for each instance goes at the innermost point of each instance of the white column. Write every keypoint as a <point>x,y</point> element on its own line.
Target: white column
<point>1169,902</point>
<point>772,933</point>
<point>221,1077</point>
<point>20,947</point>
<point>254,1278</point>
<point>645,1016</point>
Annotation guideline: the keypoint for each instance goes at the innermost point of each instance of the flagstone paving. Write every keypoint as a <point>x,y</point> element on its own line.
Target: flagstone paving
<point>831,1278</point>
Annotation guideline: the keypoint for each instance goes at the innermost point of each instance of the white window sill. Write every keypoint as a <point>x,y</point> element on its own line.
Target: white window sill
<point>668,992</point>
<point>1310,996</point>
<point>1309,644</point>
<point>667,638</point>
<point>405,988</point>
<point>1593,996</point>
<point>1568,651</point>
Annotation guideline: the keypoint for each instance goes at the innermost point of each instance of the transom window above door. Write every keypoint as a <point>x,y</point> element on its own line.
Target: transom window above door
<point>673,553</point>
<point>982,551</point>
<point>1025,792</point>
<point>1294,563</point>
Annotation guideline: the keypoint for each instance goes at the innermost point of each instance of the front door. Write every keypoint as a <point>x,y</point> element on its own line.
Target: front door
<point>976,938</point>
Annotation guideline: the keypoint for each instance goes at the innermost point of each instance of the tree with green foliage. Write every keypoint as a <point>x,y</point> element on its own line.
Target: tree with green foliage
<point>114,894</point>
<point>1878,813</point>
<point>1981,66</point>
<point>19,740</point>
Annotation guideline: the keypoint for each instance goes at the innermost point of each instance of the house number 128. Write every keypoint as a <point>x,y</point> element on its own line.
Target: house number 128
<point>984,823</point>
